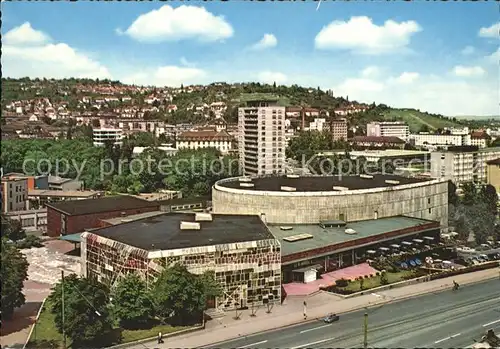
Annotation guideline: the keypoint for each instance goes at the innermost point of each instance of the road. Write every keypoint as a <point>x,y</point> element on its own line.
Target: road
<point>447,319</point>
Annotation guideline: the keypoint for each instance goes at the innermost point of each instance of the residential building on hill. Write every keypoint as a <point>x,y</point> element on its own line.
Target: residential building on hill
<point>221,141</point>
<point>317,125</point>
<point>261,139</point>
<point>338,129</point>
<point>103,135</point>
<point>397,129</point>
<point>479,139</point>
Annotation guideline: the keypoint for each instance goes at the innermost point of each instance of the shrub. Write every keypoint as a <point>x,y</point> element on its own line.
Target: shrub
<point>383,279</point>
<point>341,283</point>
<point>29,241</point>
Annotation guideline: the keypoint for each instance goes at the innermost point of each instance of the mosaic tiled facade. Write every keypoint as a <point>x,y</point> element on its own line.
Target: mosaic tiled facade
<point>247,271</point>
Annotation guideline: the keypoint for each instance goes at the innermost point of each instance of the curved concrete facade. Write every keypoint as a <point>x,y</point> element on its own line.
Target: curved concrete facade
<point>426,200</point>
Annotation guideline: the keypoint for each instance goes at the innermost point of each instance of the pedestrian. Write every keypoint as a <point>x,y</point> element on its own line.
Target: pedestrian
<point>160,338</point>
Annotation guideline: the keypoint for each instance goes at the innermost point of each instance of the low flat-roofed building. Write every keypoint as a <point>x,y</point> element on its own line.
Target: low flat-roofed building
<point>70,217</point>
<point>402,157</point>
<point>377,142</point>
<point>64,184</point>
<point>336,244</point>
<point>240,249</point>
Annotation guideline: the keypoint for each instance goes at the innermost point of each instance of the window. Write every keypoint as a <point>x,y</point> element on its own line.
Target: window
<point>429,201</point>
<point>430,210</point>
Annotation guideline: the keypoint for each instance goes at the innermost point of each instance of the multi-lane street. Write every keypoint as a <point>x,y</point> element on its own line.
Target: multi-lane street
<point>447,319</point>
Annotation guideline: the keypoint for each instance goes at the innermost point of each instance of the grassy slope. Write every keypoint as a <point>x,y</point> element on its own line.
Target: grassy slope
<point>416,119</point>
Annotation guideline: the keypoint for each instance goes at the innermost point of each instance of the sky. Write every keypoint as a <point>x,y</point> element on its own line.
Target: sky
<point>440,57</point>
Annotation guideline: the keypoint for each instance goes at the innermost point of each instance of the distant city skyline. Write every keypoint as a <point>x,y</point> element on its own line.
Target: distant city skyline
<point>439,57</point>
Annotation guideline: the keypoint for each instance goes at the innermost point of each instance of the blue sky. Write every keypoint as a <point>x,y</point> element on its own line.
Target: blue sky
<point>434,56</point>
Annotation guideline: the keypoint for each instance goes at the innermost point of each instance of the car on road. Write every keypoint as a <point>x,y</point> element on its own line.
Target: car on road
<point>331,318</point>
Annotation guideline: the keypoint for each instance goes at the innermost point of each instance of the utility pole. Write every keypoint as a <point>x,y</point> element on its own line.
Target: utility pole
<point>62,310</point>
<point>365,332</point>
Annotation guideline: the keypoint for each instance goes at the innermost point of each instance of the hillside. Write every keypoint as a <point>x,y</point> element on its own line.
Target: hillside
<point>417,119</point>
<point>71,92</point>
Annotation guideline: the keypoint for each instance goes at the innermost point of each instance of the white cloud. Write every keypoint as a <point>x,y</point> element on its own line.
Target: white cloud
<point>429,93</point>
<point>494,57</point>
<point>362,35</point>
<point>491,31</point>
<point>270,77</point>
<point>167,76</point>
<point>359,84</point>
<point>405,78</point>
<point>468,72</point>
<point>267,41</point>
<point>31,57</point>
<point>468,50</point>
<point>370,72</point>
<point>184,22</point>
<point>187,63</point>
<point>25,35</point>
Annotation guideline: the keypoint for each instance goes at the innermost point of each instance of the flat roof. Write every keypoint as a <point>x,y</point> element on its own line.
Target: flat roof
<point>320,183</point>
<point>104,204</point>
<point>63,193</point>
<point>131,218</point>
<point>381,153</point>
<point>163,232</point>
<point>332,236</point>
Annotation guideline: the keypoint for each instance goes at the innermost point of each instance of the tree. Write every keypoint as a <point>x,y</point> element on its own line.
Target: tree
<point>489,196</point>
<point>14,272</point>
<point>179,295</point>
<point>424,128</point>
<point>132,303</point>
<point>87,319</point>
<point>12,229</point>
<point>469,194</point>
<point>211,288</point>
<point>452,194</point>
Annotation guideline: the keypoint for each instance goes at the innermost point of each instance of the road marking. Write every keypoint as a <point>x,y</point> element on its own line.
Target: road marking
<point>491,323</point>
<point>316,328</point>
<point>445,339</point>
<point>308,344</point>
<point>251,345</point>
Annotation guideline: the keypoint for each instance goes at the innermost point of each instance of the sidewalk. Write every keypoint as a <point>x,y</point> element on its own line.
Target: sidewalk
<point>290,312</point>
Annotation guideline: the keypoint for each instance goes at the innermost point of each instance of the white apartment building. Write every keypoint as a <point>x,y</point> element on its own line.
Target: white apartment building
<point>397,129</point>
<point>261,139</point>
<point>14,194</point>
<point>317,125</point>
<point>462,164</point>
<point>427,140</point>
<point>103,135</point>
<point>222,141</point>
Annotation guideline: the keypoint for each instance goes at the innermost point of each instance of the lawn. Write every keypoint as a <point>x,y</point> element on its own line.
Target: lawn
<point>45,334</point>
<point>375,281</point>
<point>416,119</point>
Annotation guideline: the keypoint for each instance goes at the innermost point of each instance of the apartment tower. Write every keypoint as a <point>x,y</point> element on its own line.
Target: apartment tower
<point>261,138</point>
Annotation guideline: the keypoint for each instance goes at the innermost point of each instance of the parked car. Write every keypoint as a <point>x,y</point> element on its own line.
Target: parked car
<point>331,318</point>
